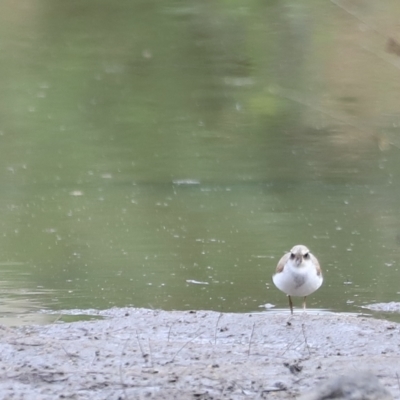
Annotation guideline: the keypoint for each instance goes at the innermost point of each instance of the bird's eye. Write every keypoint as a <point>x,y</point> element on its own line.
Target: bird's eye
<point>291,256</point>
<point>307,256</point>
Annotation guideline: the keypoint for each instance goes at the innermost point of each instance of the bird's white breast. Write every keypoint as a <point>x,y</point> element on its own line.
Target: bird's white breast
<point>298,280</point>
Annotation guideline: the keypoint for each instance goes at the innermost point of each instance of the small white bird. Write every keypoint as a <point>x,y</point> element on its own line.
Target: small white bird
<point>298,274</point>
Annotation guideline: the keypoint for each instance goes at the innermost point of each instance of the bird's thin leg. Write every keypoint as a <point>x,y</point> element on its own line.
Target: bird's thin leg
<point>290,304</point>
<point>304,303</point>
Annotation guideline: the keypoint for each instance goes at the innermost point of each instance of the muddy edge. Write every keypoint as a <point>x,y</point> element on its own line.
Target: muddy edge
<point>141,353</point>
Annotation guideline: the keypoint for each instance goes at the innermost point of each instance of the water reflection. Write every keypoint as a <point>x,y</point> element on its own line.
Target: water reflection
<point>167,156</point>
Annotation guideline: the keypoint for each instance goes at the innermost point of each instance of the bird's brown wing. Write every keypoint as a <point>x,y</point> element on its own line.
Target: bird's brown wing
<point>281,263</point>
<point>316,263</point>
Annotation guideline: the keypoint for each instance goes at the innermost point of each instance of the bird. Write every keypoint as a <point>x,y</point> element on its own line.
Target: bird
<point>298,274</point>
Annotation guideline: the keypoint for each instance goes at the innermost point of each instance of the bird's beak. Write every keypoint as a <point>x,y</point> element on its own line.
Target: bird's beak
<point>298,258</point>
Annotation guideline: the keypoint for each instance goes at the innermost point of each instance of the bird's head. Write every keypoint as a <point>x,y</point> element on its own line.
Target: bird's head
<point>299,254</point>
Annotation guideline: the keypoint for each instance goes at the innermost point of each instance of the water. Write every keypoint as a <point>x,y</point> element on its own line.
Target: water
<point>166,156</point>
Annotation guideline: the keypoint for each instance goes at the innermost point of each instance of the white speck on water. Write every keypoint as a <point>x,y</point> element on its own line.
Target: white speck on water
<point>267,306</point>
<point>196,282</point>
<point>76,193</point>
<point>186,182</point>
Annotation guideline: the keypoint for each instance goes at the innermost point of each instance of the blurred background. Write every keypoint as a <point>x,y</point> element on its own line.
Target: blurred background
<point>166,154</point>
